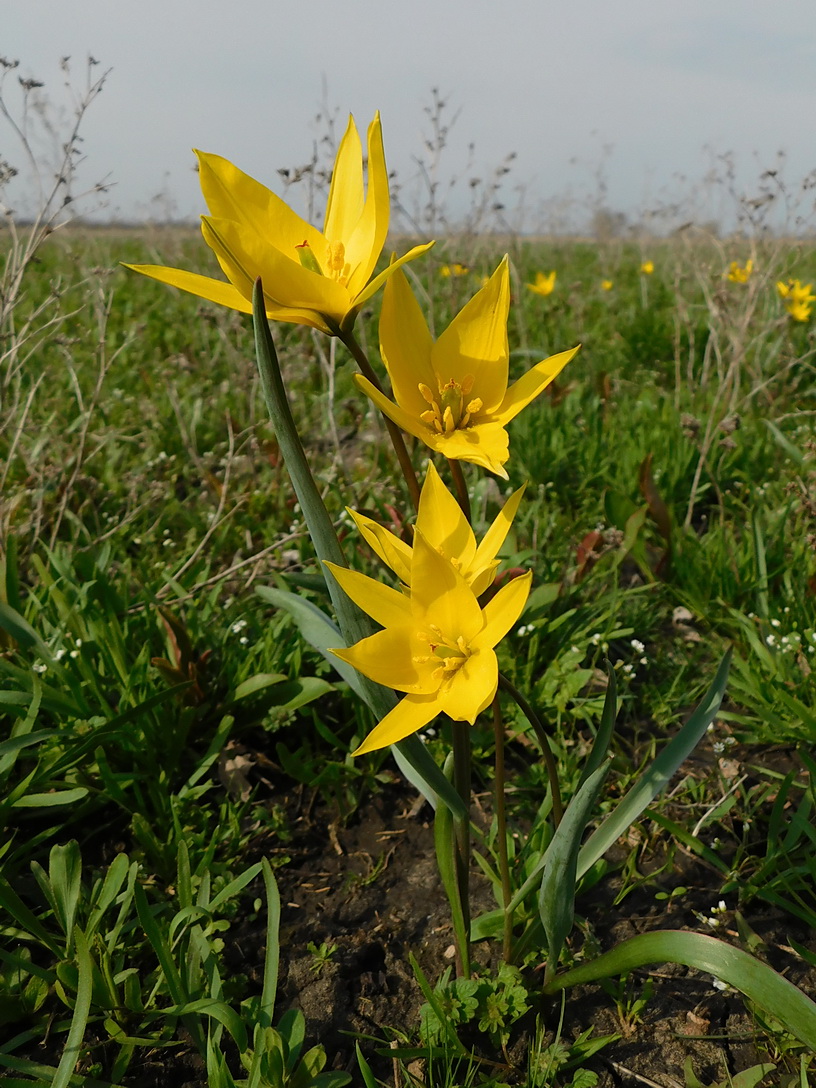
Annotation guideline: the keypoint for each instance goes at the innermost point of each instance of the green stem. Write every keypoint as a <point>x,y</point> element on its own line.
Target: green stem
<point>461,826</point>
<point>461,488</point>
<point>395,434</point>
<point>543,740</point>
<point>499,806</point>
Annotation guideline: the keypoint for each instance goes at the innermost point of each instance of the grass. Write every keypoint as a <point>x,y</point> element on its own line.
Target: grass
<point>670,514</point>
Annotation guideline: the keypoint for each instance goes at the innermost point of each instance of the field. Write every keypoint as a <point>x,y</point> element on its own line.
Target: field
<point>189,852</point>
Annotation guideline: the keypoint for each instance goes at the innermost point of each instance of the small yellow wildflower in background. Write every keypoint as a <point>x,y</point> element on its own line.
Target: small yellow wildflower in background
<point>314,278</point>
<point>740,273</point>
<point>452,394</point>
<point>437,644</point>
<point>544,284</point>
<point>647,268</point>
<point>607,285</point>
<point>798,298</point>
<point>457,269</point>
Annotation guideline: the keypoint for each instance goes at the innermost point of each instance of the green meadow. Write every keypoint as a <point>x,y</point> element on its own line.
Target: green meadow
<point>184,832</point>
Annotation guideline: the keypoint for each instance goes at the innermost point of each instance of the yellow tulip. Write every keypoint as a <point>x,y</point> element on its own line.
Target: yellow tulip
<point>607,285</point>
<point>544,285</point>
<point>437,645</point>
<point>452,394</point>
<point>314,278</point>
<point>441,522</point>
<point>457,269</point>
<point>740,273</point>
<point>798,298</point>
<point>647,268</point>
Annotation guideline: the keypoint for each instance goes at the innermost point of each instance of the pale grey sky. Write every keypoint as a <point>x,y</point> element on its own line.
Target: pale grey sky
<point>666,86</point>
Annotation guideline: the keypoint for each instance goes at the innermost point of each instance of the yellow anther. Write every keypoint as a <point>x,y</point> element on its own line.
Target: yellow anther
<point>427,394</point>
<point>337,256</point>
<point>475,406</point>
<point>467,384</point>
<point>449,421</point>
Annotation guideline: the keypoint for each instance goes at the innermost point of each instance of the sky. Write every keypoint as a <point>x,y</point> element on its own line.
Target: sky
<point>629,104</point>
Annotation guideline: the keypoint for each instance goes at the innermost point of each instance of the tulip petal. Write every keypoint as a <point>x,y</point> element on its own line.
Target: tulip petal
<point>503,610</point>
<point>472,688</point>
<point>380,279</point>
<point>244,257</point>
<point>409,422</point>
<point>410,714</point>
<point>385,605</point>
<point>475,345</point>
<point>496,535</point>
<point>532,383</point>
<point>365,242</point>
<point>224,294</point>
<point>393,657</point>
<point>394,552</point>
<point>406,344</point>
<point>440,596</point>
<point>345,204</point>
<point>442,523</point>
<point>232,194</point>
<point>486,444</point>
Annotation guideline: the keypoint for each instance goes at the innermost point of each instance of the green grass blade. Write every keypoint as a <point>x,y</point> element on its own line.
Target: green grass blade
<point>79,1020</point>
<point>271,959</point>
<point>653,780</point>
<point>759,982</point>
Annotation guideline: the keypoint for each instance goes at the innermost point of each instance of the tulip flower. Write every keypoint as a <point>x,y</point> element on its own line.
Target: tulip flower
<point>457,269</point>
<point>740,273</point>
<point>647,268</point>
<point>607,285</point>
<point>441,522</point>
<point>544,285</point>
<point>314,278</point>
<point>437,645</point>
<point>452,394</point>
<point>798,298</point>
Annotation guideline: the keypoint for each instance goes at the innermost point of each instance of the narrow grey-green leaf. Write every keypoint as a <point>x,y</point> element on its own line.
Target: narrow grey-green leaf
<point>759,982</point>
<point>556,899</point>
<point>655,778</point>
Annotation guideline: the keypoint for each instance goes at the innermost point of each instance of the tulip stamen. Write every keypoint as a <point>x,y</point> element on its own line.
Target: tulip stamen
<point>448,410</point>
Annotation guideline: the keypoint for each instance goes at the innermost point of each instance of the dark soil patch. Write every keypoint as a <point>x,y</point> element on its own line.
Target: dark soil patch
<point>371,891</point>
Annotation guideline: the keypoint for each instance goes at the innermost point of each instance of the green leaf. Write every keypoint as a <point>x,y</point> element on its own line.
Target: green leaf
<point>445,844</point>
<point>257,683</point>
<point>79,1020</point>
<point>266,1009</point>
<point>556,899</point>
<point>759,982</point>
<point>655,778</point>
<point>65,875</point>
<point>49,800</point>
<point>21,630</point>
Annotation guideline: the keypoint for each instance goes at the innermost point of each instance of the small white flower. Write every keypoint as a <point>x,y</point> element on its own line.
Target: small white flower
<point>770,640</point>
<point>718,984</point>
<point>40,667</point>
<point>718,746</point>
<point>74,654</point>
<point>775,623</point>
<point>637,645</point>
<point>244,640</point>
<point>595,639</point>
<point>60,654</point>
<point>238,626</point>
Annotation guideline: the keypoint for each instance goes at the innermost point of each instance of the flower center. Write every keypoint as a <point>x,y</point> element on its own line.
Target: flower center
<point>450,409</point>
<point>450,654</point>
<point>334,266</point>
